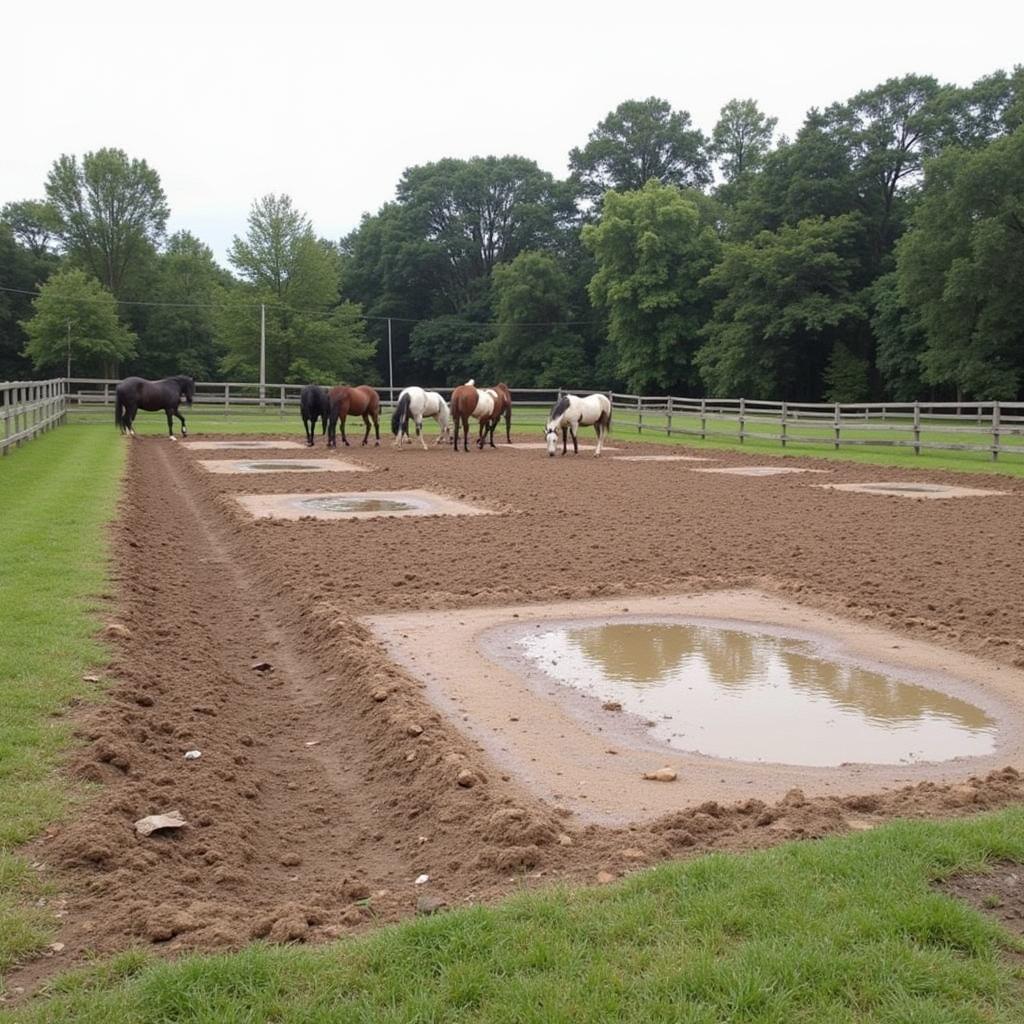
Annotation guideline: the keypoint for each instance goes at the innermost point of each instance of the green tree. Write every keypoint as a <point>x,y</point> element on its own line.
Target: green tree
<point>534,346</point>
<point>783,299</point>
<point>453,347</point>
<point>961,270</point>
<point>21,273</point>
<point>900,341</point>
<point>34,224</point>
<point>741,138</point>
<point>651,250</point>
<point>75,314</point>
<point>639,141</point>
<point>110,215</point>
<point>846,376</point>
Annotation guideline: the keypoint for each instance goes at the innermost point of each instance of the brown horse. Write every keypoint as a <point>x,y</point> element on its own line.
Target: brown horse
<point>469,400</point>
<point>502,407</point>
<point>361,401</point>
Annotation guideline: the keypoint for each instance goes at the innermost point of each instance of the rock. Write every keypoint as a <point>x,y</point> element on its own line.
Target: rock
<point>564,840</point>
<point>632,853</point>
<point>90,679</point>
<point>611,705</point>
<point>193,755</point>
<point>605,877</point>
<point>116,631</point>
<point>430,904</point>
<point>414,730</point>
<point>466,779</point>
<point>56,947</point>
<point>154,822</point>
<point>661,775</point>
<point>421,880</point>
<point>261,666</point>
<point>291,860</point>
<point>380,696</point>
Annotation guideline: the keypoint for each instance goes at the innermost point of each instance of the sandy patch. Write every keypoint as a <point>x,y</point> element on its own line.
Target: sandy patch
<point>759,470</point>
<point>387,504</point>
<point>243,466</point>
<point>902,489</point>
<point>223,446</point>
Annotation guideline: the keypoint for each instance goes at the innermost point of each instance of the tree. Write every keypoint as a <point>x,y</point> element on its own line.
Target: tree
<point>900,341</point>
<point>961,269</point>
<point>741,138</point>
<point>783,299</point>
<point>21,273</point>
<point>652,250</point>
<point>846,376</point>
<point>639,141</point>
<point>34,224</point>
<point>451,346</point>
<point>534,345</point>
<point>74,313</point>
<point>111,213</point>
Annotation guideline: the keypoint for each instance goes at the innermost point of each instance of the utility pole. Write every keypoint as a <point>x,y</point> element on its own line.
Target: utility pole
<point>391,368</point>
<point>263,353</point>
<point>69,349</point>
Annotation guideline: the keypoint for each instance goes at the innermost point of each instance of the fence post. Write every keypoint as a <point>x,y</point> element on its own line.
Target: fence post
<point>282,399</point>
<point>227,397</point>
<point>703,419</point>
<point>7,414</point>
<point>836,426</point>
<point>669,415</point>
<point>743,418</point>
<point>782,423</point>
<point>917,428</point>
<point>995,431</point>
<point>639,415</point>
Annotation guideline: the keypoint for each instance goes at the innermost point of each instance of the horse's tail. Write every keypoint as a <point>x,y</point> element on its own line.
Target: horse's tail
<point>118,411</point>
<point>400,417</point>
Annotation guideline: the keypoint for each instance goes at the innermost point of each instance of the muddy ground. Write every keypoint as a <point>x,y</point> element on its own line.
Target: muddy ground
<point>328,783</point>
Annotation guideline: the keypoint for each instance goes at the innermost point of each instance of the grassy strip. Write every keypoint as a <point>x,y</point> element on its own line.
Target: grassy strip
<point>527,419</point>
<point>845,930</point>
<point>56,494</point>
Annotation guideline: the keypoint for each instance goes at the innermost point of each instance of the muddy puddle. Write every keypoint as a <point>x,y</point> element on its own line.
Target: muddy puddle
<point>354,503</point>
<point>757,696</point>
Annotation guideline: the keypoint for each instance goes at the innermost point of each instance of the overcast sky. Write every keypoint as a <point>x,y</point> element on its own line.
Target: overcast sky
<point>228,102</point>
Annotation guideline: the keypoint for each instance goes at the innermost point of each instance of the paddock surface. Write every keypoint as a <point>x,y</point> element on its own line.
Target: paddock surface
<point>329,782</point>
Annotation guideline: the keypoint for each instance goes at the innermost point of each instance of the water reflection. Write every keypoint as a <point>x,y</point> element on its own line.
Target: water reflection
<point>756,696</point>
<point>357,504</point>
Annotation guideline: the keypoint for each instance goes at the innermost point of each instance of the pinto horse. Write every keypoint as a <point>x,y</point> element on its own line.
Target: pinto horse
<point>469,400</point>
<point>570,412</point>
<point>361,401</point>
<point>314,404</point>
<point>415,403</point>
<point>134,393</point>
<point>502,407</point>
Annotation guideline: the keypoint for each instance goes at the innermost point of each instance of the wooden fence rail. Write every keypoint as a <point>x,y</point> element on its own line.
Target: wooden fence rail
<point>29,407</point>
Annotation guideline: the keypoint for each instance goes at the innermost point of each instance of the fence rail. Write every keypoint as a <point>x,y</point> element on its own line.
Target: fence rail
<point>996,428</point>
<point>29,407</point>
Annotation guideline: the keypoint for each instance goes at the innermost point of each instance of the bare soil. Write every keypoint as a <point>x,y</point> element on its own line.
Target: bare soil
<point>328,783</point>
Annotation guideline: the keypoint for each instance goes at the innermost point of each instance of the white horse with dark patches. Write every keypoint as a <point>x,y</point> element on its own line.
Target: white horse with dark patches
<point>571,412</point>
<point>415,404</point>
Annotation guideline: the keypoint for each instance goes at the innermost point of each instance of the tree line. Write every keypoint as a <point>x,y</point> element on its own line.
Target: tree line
<point>877,253</point>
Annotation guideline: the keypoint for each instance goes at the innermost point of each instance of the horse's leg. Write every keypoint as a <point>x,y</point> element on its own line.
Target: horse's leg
<point>376,429</point>
<point>600,428</point>
<point>565,438</point>
<point>575,442</point>
<point>184,429</point>
<point>491,427</point>
<point>419,431</point>
<point>366,422</point>
<point>344,439</point>
<point>332,440</point>
<point>170,423</point>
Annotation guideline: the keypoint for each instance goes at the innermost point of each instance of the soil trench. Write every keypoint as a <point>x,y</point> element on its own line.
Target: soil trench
<point>328,783</point>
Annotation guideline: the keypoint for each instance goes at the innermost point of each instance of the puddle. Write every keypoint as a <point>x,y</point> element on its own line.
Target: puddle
<point>661,458</point>
<point>355,505</point>
<point>911,490</point>
<point>280,466</point>
<point>757,696</point>
<point>759,470</point>
<point>223,446</point>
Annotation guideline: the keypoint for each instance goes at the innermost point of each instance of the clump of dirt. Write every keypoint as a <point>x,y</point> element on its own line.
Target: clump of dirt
<point>328,783</point>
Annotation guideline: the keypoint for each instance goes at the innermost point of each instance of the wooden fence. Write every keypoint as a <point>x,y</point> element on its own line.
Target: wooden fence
<point>996,428</point>
<point>28,407</point>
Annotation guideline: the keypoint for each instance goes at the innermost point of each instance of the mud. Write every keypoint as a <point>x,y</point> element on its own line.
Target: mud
<point>328,782</point>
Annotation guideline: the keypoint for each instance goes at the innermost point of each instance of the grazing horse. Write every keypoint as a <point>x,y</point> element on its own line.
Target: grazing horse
<point>570,412</point>
<point>134,393</point>
<point>469,400</point>
<point>361,401</point>
<point>502,407</point>
<point>415,403</point>
<point>314,405</point>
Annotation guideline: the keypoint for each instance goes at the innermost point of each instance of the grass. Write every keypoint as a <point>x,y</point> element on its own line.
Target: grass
<point>56,494</point>
<point>250,420</point>
<point>844,930</point>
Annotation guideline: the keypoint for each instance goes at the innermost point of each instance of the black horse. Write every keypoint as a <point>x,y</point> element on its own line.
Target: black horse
<point>315,405</point>
<point>134,393</point>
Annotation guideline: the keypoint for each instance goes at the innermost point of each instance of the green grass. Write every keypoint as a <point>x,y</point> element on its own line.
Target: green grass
<point>526,419</point>
<point>56,494</point>
<point>844,931</point>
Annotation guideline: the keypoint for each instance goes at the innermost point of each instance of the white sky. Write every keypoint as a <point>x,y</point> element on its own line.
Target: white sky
<point>231,101</point>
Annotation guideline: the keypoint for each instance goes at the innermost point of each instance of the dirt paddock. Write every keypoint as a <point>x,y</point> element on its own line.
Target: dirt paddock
<point>329,782</point>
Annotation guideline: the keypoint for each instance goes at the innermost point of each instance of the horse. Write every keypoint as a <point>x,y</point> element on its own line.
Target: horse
<point>134,393</point>
<point>571,411</point>
<point>415,403</point>
<point>315,406</point>
<point>361,401</point>
<point>469,400</point>
<point>502,407</point>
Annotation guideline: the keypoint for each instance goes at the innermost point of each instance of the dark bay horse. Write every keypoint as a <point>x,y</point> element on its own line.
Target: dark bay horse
<point>361,401</point>
<point>315,405</point>
<point>134,393</point>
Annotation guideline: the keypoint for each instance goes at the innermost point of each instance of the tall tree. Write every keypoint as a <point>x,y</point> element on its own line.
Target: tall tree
<point>76,317</point>
<point>34,224</point>
<point>652,250</point>
<point>784,299</point>
<point>21,273</point>
<point>639,141</point>
<point>741,138</point>
<point>111,213</point>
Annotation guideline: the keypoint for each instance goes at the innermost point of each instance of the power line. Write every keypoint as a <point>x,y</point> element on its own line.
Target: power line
<point>315,312</point>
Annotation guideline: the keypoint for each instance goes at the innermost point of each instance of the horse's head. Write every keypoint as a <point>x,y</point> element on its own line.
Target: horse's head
<point>188,388</point>
<point>551,436</point>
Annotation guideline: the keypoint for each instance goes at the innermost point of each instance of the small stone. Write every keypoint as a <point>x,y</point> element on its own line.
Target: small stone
<point>56,947</point>
<point>421,880</point>
<point>154,822</point>
<point>466,779</point>
<point>193,755</point>
<point>261,666</point>
<point>564,840</point>
<point>611,705</point>
<point>661,775</point>
<point>116,631</point>
<point>380,696</point>
<point>604,877</point>
<point>291,860</point>
<point>632,853</point>
<point>90,679</point>
<point>414,729</point>
<point>312,743</point>
<point>430,904</point>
